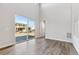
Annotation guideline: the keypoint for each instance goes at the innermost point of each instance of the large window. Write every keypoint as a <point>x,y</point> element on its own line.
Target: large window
<point>25,29</point>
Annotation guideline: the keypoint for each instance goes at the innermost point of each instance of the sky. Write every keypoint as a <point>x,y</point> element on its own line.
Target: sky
<point>24,20</point>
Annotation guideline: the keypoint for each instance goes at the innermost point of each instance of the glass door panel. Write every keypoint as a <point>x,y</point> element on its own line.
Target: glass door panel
<point>25,29</point>
<point>31,29</point>
<point>21,29</point>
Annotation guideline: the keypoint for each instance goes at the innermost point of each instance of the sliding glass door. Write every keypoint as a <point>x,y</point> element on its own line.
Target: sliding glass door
<point>25,29</point>
<point>31,29</point>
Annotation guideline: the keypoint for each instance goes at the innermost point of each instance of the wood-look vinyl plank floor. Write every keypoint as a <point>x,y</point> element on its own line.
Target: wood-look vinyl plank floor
<point>41,47</point>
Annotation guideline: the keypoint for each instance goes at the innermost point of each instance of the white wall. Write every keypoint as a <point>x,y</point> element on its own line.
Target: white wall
<point>42,22</point>
<point>58,21</point>
<point>42,28</point>
<point>7,20</point>
<point>75,25</point>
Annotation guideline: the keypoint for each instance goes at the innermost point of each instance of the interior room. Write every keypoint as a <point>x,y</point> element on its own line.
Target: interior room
<point>39,28</point>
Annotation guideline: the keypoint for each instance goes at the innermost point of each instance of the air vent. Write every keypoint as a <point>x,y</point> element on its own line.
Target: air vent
<point>69,35</point>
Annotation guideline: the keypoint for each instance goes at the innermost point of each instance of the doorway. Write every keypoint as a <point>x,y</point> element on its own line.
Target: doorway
<point>25,29</point>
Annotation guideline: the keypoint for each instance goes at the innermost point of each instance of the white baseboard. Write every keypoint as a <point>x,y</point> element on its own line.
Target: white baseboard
<point>75,44</point>
<point>59,40</point>
<point>40,37</point>
<point>7,45</point>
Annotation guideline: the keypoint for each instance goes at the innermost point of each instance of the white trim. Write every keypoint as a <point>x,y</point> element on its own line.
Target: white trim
<point>75,44</point>
<point>7,45</point>
<point>59,40</point>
